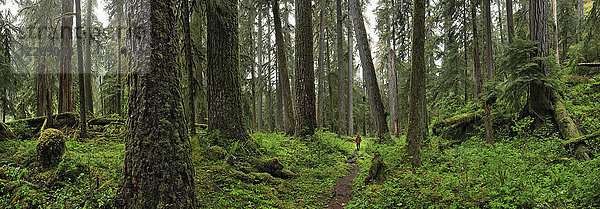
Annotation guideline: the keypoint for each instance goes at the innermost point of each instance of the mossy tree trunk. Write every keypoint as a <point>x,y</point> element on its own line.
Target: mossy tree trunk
<point>478,80</point>
<point>288,113</point>
<point>224,105</point>
<point>305,78</point>
<point>340,55</point>
<point>189,65</point>
<point>158,170</point>
<point>65,81</point>
<point>373,93</point>
<point>320,63</point>
<point>415,134</point>
<point>80,72</point>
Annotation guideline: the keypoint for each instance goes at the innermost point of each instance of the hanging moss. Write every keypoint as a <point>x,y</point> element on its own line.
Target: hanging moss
<point>50,148</point>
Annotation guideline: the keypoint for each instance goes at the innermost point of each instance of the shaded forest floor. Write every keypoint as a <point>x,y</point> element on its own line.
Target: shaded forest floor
<point>528,167</point>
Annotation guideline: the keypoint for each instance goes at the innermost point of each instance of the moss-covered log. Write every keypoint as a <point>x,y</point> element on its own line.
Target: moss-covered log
<point>568,129</point>
<point>581,140</point>
<point>377,171</point>
<point>60,120</point>
<point>458,121</point>
<point>104,121</point>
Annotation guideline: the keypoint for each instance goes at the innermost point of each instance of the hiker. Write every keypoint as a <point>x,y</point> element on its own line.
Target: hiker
<point>358,140</point>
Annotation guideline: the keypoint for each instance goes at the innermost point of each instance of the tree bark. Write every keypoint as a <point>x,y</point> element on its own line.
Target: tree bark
<point>305,80</point>
<point>350,82</point>
<point>375,103</point>
<point>415,134</point>
<point>158,170</point>
<point>224,105</point>
<point>393,92</point>
<point>341,73</point>
<point>538,102</point>
<point>41,87</point>
<point>89,100</point>
<point>259,77</point>
<point>320,63</point>
<point>509,21</point>
<point>289,121</point>
<point>555,25</point>
<point>119,69</point>
<point>189,65</point>
<point>488,40</point>
<point>80,72</point>
<point>65,87</point>
<point>477,79</point>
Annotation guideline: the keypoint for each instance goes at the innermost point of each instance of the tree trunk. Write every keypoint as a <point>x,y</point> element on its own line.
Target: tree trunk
<point>224,105</point>
<point>415,134</point>
<point>82,106</point>
<point>65,87</point>
<point>488,40</point>
<point>41,87</point>
<point>393,92</point>
<point>119,80</point>
<point>557,55</point>
<point>89,100</point>
<point>279,98</point>
<point>289,119</point>
<point>320,63</point>
<point>509,21</point>
<point>305,80</point>
<point>538,102</point>
<point>375,103</point>
<point>350,82</point>
<point>340,55</point>
<point>501,31</point>
<point>259,77</point>
<point>465,72</point>
<point>189,64</point>
<point>477,79</point>
<point>158,170</point>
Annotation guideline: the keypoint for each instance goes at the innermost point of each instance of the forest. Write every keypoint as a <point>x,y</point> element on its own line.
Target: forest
<point>299,104</point>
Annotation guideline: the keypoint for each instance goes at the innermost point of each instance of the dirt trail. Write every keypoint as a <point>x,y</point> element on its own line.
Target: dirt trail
<point>342,192</point>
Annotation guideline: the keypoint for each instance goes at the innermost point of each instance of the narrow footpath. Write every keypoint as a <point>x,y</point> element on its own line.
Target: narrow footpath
<point>343,190</point>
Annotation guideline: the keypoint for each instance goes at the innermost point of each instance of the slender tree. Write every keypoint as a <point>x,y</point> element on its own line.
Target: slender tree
<point>477,79</point>
<point>289,120</point>
<point>189,65</point>
<point>65,87</point>
<point>350,82</point>
<point>259,78</point>
<point>320,63</point>
<point>158,169</point>
<point>80,72</point>
<point>488,39</point>
<point>340,56</point>
<point>509,21</point>
<point>89,100</point>
<point>305,80</point>
<point>415,134</point>
<point>375,103</point>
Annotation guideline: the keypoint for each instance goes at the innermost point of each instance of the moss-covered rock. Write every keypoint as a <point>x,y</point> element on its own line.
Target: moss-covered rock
<point>378,170</point>
<point>50,148</point>
<point>5,132</point>
<point>270,165</point>
<point>284,174</point>
<point>216,153</point>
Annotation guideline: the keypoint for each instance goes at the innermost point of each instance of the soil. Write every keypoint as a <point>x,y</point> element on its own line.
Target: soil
<point>342,192</point>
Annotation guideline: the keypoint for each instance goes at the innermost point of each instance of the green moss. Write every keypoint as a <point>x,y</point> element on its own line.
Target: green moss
<point>216,153</point>
<point>50,148</point>
<point>270,165</point>
<point>5,132</point>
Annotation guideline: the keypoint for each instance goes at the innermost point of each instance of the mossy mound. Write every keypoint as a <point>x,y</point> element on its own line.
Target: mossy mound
<point>254,177</point>
<point>270,165</point>
<point>216,153</point>
<point>377,171</point>
<point>5,132</point>
<point>284,174</point>
<point>50,148</point>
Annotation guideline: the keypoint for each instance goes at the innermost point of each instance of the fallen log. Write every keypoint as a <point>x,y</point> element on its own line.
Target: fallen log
<point>60,120</point>
<point>104,121</point>
<point>458,121</point>
<point>568,129</point>
<point>592,64</point>
<point>581,139</point>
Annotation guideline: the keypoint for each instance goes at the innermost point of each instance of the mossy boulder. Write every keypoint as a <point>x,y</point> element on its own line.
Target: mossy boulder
<point>378,170</point>
<point>216,153</point>
<point>50,148</point>
<point>5,132</point>
<point>270,165</point>
<point>284,174</point>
